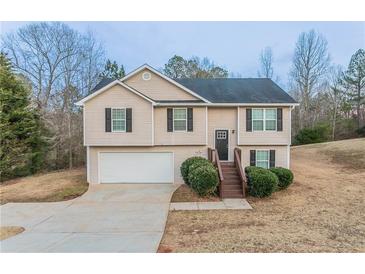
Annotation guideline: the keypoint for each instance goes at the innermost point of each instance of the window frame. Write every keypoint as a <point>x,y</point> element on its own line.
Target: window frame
<point>173,120</point>
<point>125,119</point>
<point>268,157</point>
<point>264,119</point>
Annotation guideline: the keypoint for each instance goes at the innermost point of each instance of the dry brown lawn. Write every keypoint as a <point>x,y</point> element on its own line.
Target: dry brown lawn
<point>49,187</point>
<point>9,231</point>
<point>322,211</point>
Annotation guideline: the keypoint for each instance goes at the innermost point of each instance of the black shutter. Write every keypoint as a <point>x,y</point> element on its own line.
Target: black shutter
<point>108,120</point>
<point>190,119</point>
<point>128,116</point>
<point>272,158</point>
<point>169,120</point>
<point>252,157</point>
<point>248,119</point>
<point>279,121</point>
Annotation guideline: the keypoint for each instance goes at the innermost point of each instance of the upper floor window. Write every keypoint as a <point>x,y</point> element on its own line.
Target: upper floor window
<point>264,119</point>
<point>180,119</point>
<point>118,120</point>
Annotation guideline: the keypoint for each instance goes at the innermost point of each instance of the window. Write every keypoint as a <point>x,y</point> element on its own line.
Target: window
<point>257,119</point>
<point>262,158</point>
<point>221,135</point>
<point>180,119</point>
<point>118,120</point>
<point>264,119</point>
<point>146,76</point>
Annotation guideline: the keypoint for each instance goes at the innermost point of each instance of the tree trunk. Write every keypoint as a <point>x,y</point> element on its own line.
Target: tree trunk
<point>70,165</point>
<point>358,106</point>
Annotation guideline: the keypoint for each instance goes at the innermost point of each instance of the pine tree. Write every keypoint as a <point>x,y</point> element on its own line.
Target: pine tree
<point>112,70</point>
<point>354,81</point>
<point>22,147</point>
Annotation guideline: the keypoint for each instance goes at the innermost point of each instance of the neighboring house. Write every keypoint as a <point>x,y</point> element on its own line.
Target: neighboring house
<point>140,129</point>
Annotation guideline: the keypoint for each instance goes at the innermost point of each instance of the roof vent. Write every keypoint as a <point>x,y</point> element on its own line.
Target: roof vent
<point>146,76</point>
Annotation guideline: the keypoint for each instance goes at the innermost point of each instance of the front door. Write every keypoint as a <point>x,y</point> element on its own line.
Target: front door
<point>221,144</point>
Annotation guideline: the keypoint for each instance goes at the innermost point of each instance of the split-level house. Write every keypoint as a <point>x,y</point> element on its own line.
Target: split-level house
<point>139,129</point>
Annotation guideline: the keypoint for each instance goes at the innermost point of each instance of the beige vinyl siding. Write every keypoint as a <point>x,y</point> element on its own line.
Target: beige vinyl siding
<point>223,118</point>
<point>118,97</point>
<point>195,137</point>
<point>265,137</point>
<point>180,154</point>
<point>281,154</point>
<point>158,88</point>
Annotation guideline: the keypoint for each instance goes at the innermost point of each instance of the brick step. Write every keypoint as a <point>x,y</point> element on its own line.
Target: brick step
<point>229,170</point>
<point>227,163</point>
<point>232,187</point>
<point>237,183</point>
<point>231,176</point>
<point>232,194</point>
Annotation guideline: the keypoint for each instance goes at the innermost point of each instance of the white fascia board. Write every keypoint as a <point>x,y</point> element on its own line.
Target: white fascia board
<point>146,66</point>
<point>116,82</point>
<point>229,104</point>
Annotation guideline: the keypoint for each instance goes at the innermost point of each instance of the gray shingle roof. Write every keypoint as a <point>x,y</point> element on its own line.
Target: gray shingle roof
<point>228,90</point>
<point>238,90</point>
<point>103,82</point>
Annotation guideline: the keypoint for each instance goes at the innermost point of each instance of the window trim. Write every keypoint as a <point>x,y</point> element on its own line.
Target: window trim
<point>268,157</point>
<point>173,120</point>
<point>125,119</point>
<point>264,120</point>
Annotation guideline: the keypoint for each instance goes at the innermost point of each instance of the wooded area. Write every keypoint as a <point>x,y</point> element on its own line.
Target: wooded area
<point>46,67</point>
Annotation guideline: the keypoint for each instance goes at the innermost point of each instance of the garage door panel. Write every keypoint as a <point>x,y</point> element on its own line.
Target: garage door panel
<point>130,167</point>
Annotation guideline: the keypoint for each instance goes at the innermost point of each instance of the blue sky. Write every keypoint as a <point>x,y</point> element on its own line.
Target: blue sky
<point>234,45</point>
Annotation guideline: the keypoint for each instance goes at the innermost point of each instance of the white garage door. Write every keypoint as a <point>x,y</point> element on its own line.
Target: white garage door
<point>134,167</point>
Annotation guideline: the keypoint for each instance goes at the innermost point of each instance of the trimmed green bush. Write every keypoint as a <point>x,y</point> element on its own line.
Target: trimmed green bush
<point>184,169</point>
<point>262,182</point>
<point>248,170</point>
<point>284,175</point>
<point>203,179</point>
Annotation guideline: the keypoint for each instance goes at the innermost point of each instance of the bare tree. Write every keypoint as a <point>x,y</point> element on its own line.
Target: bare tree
<point>310,64</point>
<point>334,93</point>
<point>266,63</point>
<point>63,65</point>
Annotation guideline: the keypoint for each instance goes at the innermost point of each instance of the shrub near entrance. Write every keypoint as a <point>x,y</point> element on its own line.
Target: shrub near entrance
<point>184,169</point>
<point>204,179</point>
<point>284,175</point>
<point>262,182</point>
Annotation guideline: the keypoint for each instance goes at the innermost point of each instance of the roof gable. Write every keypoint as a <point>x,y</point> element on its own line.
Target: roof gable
<point>108,83</point>
<point>165,78</point>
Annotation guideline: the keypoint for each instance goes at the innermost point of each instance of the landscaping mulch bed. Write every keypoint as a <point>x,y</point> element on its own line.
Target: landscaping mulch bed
<point>185,194</point>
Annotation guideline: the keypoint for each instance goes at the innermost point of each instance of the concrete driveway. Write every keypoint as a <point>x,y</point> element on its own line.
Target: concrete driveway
<point>107,218</point>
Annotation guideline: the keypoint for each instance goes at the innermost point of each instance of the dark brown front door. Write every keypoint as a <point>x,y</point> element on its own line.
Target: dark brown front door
<point>221,144</point>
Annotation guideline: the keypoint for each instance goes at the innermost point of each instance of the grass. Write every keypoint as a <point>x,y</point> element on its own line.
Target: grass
<point>322,211</point>
<point>9,231</point>
<point>186,194</point>
<point>49,187</point>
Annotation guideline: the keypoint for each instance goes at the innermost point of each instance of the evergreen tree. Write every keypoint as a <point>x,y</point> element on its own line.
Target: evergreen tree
<point>112,70</point>
<point>354,81</point>
<point>22,147</point>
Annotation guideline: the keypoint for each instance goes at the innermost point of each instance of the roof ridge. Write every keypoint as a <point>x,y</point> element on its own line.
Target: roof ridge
<point>222,78</point>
